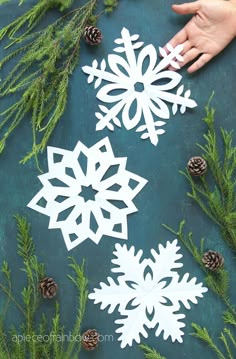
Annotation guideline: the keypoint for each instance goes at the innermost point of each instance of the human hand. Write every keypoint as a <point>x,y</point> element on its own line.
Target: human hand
<point>209,31</point>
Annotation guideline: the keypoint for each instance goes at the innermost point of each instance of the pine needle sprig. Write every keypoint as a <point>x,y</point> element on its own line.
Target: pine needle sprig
<point>46,60</point>
<point>187,240</point>
<point>217,281</point>
<point>202,334</point>
<point>110,5</point>
<point>4,351</point>
<point>49,326</point>
<point>29,20</point>
<point>150,353</point>
<point>230,335</point>
<point>5,1</point>
<point>229,318</point>
<point>41,76</point>
<point>226,337</point>
<point>81,283</point>
<point>217,201</point>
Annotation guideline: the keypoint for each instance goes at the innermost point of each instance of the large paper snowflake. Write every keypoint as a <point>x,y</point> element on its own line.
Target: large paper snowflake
<point>87,193</point>
<point>138,87</point>
<point>148,293</point>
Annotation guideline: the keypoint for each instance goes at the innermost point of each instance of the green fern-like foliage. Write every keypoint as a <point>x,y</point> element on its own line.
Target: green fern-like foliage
<point>45,61</point>
<point>150,353</point>
<point>218,201</point>
<point>34,323</point>
<point>110,5</point>
<point>5,1</point>
<point>217,281</point>
<point>31,18</point>
<point>226,337</point>
<point>202,334</point>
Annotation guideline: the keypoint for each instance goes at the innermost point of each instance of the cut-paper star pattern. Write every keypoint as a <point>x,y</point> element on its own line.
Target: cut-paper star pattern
<point>148,293</point>
<point>87,193</point>
<point>138,87</point>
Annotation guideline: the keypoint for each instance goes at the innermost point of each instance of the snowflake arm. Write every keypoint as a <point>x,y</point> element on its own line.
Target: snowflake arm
<point>132,326</point>
<point>128,264</point>
<point>169,322</point>
<point>109,295</point>
<point>183,291</point>
<point>164,263</point>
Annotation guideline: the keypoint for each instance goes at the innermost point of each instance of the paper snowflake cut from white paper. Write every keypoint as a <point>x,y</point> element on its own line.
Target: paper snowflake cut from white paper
<point>143,87</point>
<point>87,193</point>
<point>148,293</point>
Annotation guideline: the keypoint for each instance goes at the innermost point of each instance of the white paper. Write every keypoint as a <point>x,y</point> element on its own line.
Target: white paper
<point>150,285</point>
<point>126,74</point>
<point>102,208</point>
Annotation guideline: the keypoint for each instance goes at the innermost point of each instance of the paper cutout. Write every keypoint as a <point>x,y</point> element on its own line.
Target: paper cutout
<point>143,87</point>
<point>149,292</point>
<point>87,193</point>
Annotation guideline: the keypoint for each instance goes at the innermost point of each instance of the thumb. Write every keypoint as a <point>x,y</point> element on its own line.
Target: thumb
<point>188,8</point>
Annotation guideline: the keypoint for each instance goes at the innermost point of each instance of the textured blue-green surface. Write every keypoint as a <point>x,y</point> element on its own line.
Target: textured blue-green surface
<point>163,199</point>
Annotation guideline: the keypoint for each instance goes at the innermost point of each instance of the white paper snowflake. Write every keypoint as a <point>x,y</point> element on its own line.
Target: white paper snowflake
<point>141,83</point>
<point>87,193</point>
<point>148,293</point>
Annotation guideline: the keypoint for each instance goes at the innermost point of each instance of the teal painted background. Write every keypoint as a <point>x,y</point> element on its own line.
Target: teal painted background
<point>162,200</point>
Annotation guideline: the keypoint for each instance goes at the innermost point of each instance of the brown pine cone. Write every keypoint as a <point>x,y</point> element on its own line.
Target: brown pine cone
<point>90,339</point>
<point>197,166</point>
<point>213,260</point>
<point>92,35</point>
<point>48,287</point>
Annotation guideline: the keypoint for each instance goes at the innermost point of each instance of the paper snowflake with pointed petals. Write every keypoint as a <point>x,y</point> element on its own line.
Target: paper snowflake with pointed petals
<point>87,193</point>
<point>148,293</point>
<point>138,87</point>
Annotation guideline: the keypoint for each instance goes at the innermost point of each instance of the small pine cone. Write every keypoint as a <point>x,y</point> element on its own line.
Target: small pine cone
<point>92,35</point>
<point>197,166</point>
<point>213,260</point>
<point>90,339</point>
<point>48,287</point>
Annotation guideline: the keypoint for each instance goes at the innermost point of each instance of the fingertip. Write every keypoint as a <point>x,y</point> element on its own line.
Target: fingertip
<point>190,70</point>
<point>174,7</point>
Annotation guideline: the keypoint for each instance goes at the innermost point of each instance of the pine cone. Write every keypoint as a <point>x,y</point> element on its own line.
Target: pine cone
<point>213,260</point>
<point>48,287</point>
<point>197,166</point>
<point>92,35</point>
<point>90,339</point>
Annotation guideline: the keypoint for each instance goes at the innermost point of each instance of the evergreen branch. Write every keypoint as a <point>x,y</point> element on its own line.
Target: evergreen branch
<point>31,18</point>
<point>7,275</point>
<point>4,351</point>
<point>227,347</point>
<point>188,243</point>
<point>13,348</point>
<point>24,241</point>
<point>202,334</point>
<point>217,281</point>
<point>81,283</point>
<point>229,318</point>
<point>110,5</point>
<point>12,298</point>
<point>150,353</point>
<point>217,201</point>
<point>230,335</point>
<point>5,1</point>
<point>47,58</point>
<point>56,329</point>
